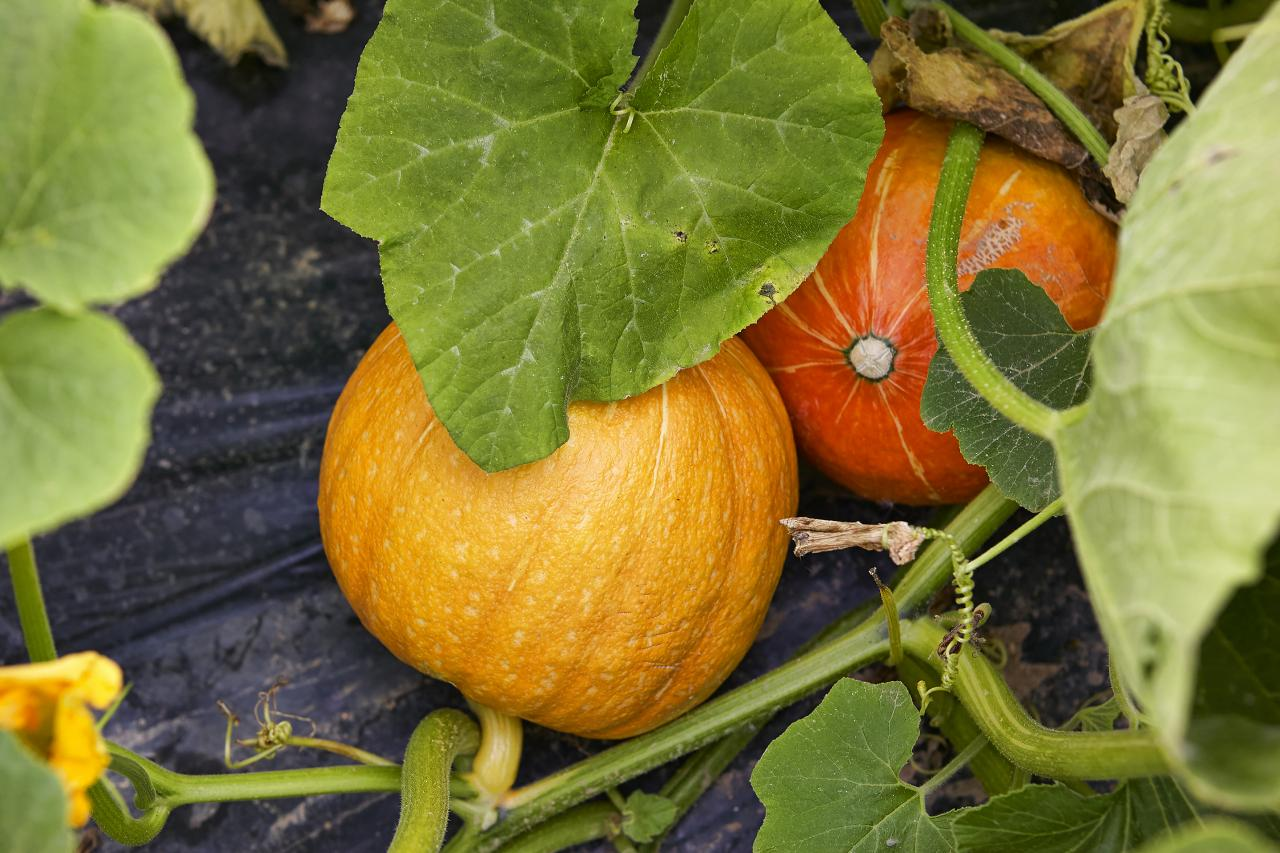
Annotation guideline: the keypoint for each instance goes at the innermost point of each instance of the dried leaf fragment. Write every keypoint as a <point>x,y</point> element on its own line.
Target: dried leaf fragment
<point>814,535</point>
<point>231,27</point>
<point>1141,131</point>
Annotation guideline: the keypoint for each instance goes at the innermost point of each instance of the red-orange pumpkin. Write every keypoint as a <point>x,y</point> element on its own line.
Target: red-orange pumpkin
<point>850,349</point>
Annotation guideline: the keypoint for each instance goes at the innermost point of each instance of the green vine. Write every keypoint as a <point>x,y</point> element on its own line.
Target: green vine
<point>32,616</point>
<point>1164,75</point>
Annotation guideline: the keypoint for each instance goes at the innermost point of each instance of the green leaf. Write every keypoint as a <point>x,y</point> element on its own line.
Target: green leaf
<point>1055,819</point>
<point>102,181</point>
<point>75,404</point>
<point>830,781</point>
<point>1170,478</point>
<point>1023,331</point>
<point>1218,835</point>
<point>537,248</point>
<point>1095,718</point>
<point>647,816</point>
<point>33,807</point>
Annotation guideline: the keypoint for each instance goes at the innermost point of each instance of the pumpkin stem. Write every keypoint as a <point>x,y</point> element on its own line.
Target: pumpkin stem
<point>493,771</point>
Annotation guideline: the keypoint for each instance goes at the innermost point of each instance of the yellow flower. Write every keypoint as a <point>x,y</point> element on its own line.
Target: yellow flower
<point>46,706</point>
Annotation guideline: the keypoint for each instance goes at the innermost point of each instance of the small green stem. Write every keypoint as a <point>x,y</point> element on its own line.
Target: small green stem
<point>1194,24</point>
<point>1045,752</point>
<point>872,15</point>
<point>942,250</point>
<point>675,15</point>
<point>428,763</point>
<point>587,822</point>
<point>1031,524</point>
<point>30,600</point>
<point>346,750</point>
<point>1122,695</point>
<point>1057,102</point>
<point>954,766</point>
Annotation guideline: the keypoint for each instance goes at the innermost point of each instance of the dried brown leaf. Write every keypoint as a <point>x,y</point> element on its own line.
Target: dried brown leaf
<point>1090,58</point>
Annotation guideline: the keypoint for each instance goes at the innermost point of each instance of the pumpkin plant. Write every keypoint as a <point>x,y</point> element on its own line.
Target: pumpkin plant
<point>557,480</point>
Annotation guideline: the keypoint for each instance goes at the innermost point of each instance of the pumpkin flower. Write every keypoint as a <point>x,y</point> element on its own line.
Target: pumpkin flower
<point>47,706</point>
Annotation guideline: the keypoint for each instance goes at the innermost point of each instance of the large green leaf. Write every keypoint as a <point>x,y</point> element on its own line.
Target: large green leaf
<point>830,781</point>
<point>1172,478</point>
<point>75,404</point>
<point>102,181</point>
<point>538,248</point>
<point>33,807</point>
<point>1023,331</point>
<point>1055,819</point>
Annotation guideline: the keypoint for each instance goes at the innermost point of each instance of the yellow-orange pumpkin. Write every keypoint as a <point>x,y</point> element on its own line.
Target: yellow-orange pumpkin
<point>601,591</point>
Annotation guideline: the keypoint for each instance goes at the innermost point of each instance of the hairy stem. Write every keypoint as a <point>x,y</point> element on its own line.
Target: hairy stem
<point>1057,102</point>
<point>32,615</point>
<point>580,824</point>
<point>1123,754</point>
<point>996,773</point>
<point>424,793</point>
<point>942,250</point>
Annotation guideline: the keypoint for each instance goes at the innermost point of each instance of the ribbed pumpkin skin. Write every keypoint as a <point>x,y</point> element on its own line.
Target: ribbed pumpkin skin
<point>601,591</point>
<point>1023,213</point>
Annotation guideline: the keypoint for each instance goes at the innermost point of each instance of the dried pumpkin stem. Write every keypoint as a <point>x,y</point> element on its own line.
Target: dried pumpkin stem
<point>942,280</point>
<point>815,535</point>
<point>30,600</point>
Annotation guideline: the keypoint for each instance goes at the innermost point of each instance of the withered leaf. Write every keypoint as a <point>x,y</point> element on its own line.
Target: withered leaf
<point>1090,58</point>
<point>1141,130</point>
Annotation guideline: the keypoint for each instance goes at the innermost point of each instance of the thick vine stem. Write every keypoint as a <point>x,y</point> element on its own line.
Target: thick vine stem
<point>32,615</point>
<point>1123,754</point>
<point>580,824</point>
<point>493,771</point>
<point>942,280</point>
<point>424,795</point>
<point>114,819</point>
<point>1057,102</point>
<point>996,773</point>
<point>866,643</point>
